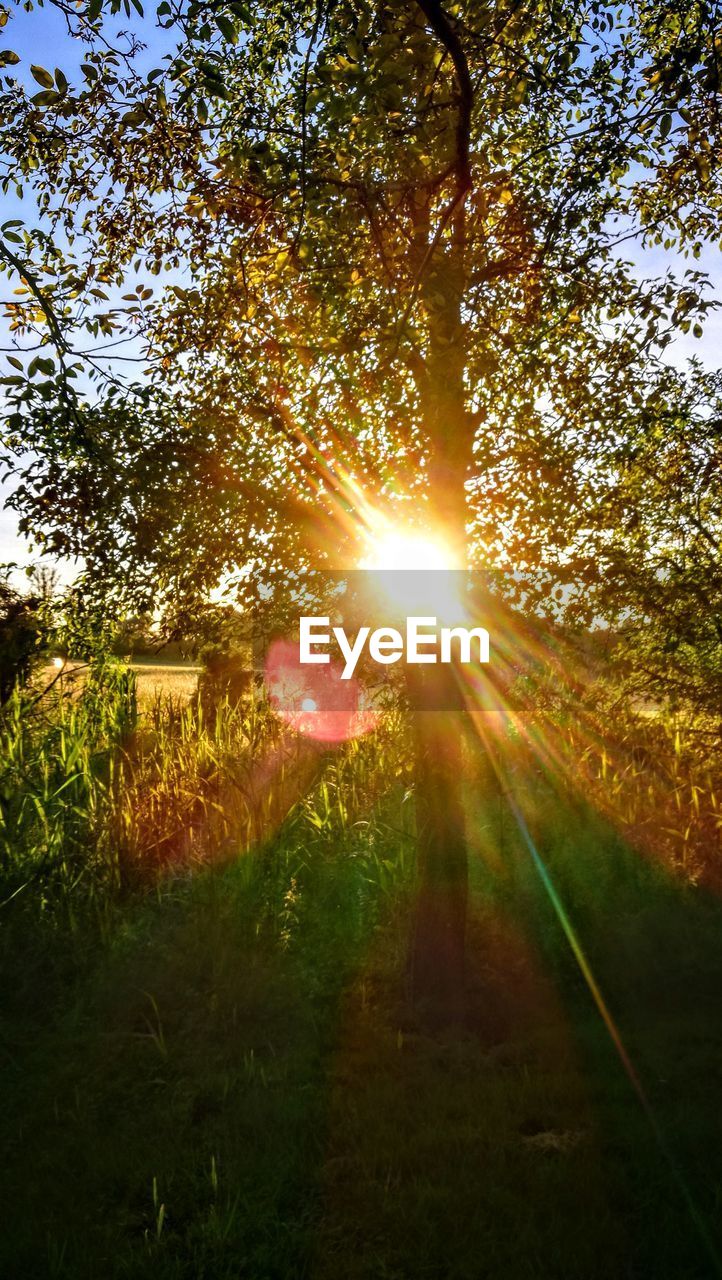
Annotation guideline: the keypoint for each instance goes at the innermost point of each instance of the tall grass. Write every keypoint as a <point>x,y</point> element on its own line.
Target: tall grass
<point>657,778</point>
<point>59,781</point>
<point>97,797</point>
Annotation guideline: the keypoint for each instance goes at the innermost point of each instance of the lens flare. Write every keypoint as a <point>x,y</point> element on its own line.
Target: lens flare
<point>314,701</point>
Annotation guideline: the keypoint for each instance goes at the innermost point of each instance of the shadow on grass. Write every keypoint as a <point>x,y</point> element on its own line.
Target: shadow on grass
<point>235,1088</point>
<point>521,1148</point>
<point>164,1112</point>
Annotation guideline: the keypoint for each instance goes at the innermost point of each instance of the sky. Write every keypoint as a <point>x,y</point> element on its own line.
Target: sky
<point>41,37</point>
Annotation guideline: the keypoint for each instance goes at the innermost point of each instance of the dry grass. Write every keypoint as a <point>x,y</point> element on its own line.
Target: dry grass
<point>154,677</point>
<point>180,680</point>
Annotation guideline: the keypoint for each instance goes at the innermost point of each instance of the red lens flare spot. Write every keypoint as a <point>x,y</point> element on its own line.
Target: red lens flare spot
<point>314,700</point>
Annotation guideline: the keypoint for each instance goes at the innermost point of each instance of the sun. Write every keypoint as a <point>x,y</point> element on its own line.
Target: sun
<point>413,573</point>
<point>393,550</point>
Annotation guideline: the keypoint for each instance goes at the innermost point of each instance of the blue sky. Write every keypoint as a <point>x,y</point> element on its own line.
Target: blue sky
<point>41,37</point>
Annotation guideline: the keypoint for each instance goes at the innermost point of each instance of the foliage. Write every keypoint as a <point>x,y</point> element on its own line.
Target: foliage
<point>58,778</point>
<point>655,777</point>
<point>389,247</point>
<point>22,637</point>
<point>96,800</point>
<point>657,530</point>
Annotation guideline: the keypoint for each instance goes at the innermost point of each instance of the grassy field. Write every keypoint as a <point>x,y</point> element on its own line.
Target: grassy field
<point>179,680</point>
<point>153,675</point>
<point>225,1079</point>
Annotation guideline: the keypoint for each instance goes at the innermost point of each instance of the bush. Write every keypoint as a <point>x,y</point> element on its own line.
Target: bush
<point>22,638</point>
<point>228,674</point>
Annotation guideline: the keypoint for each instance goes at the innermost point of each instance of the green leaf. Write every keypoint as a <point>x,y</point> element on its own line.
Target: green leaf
<point>215,86</point>
<point>42,76</point>
<point>241,11</point>
<point>226,28</point>
<point>8,58</point>
<point>47,98</point>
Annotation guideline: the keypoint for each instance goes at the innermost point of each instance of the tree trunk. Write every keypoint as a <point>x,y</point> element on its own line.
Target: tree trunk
<point>438,979</point>
<point>437,961</point>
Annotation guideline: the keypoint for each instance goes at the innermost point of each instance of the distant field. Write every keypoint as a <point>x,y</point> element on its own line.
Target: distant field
<point>177,678</point>
<point>154,676</point>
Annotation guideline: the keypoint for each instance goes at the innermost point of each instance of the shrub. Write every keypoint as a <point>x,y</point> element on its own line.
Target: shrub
<point>22,638</point>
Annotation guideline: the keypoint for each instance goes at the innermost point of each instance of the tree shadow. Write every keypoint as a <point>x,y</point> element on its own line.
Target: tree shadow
<point>518,1145</point>
<point>235,1085</point>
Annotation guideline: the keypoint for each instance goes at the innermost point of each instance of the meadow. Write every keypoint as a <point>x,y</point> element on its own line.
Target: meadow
<point>210,1066</point>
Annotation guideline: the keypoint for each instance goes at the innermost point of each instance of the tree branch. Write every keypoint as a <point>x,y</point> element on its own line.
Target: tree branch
<point>38,293</point>
<point>442,28</point>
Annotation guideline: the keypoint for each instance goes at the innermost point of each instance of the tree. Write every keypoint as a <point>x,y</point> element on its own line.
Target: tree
<point>657,528</point>
<point>396,235</point>
<point>22,635</point>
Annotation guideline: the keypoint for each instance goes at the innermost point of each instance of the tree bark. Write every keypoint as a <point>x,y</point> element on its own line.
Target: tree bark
<point>438,953</point>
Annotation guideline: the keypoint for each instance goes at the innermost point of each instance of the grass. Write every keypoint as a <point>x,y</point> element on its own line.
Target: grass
<point>174,679</point>
<point>225,1079</point>
<point>154,677</point>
